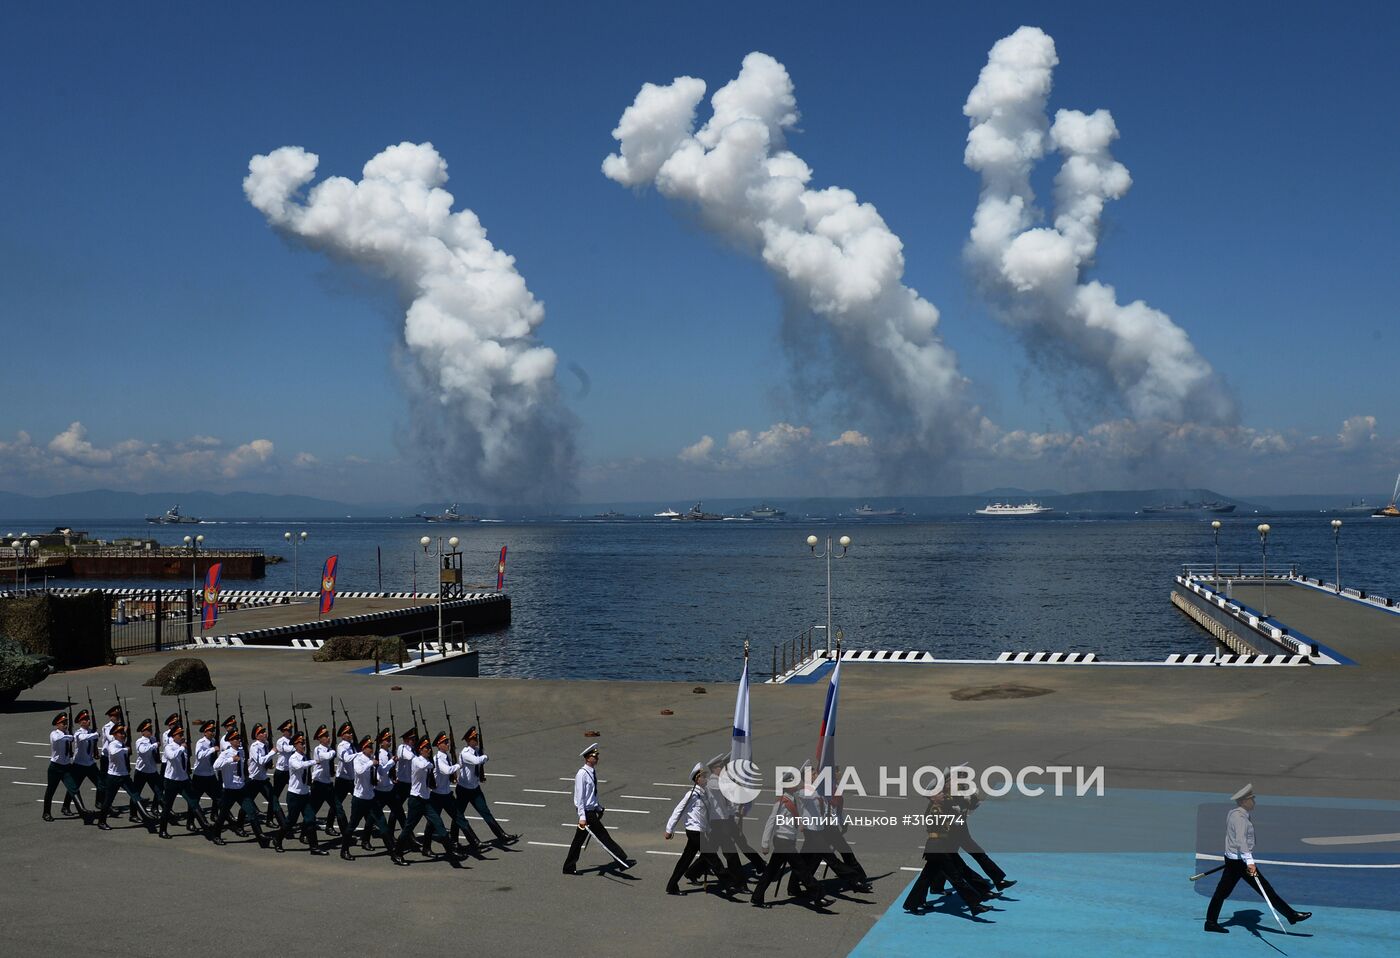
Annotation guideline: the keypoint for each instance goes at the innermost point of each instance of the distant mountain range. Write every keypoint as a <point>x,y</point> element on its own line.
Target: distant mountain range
<point>109,504</point>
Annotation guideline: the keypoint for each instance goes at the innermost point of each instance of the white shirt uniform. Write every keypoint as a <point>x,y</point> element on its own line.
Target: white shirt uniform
<point>403,759</point>
<point>720,807</point>
<point>83,740</point>
<point>298,765</point>
<point>60,747</point>
<point>776,827</point>
<point>204,753</point>
<point>116,758</point>
<point>418,777</point>
<point>445,768</point>
<point>164,739</point>
<point>346,753</point>
<point>471,762</point>
<point>387,768</point>
<point>362,768</point>
<point>586,792</point>
<point>104,736</point>
<point>147,755</point>
<point>284,752</point>
<point>693,810</point>
<point>812,807</point>
<point>175,762</point>
<point>229,765</point>
<point>323,757</point>
<point>1239,835</point>
<point>259,758</point>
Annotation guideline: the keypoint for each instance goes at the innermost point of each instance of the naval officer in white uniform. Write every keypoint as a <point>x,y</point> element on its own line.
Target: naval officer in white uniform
<point>1239,863</point>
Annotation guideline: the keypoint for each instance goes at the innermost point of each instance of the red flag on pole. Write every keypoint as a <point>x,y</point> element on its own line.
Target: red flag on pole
<point>328,584</point>
<point>211,595</point>
<point>501,571</point>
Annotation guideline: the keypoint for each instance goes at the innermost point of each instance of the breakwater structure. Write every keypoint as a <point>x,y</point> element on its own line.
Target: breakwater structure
<point>165,562</point>
<point>1279,619</point>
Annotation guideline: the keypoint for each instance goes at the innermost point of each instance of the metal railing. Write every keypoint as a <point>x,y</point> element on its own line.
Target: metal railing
<point>796,651</point>
<point>1238,570</point>
<point>165,552</point>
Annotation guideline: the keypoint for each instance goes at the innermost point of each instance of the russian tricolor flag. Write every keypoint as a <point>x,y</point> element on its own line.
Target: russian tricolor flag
<point>825,761</point>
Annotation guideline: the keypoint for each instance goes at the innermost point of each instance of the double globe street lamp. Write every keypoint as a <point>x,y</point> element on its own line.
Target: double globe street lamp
<point>1264,552</point>
<point>295,541</point>
<point>193,543</point>
<point>1337,551</point>
<point>452,544</point>
<point>22,548</point>
<point>845,543</point>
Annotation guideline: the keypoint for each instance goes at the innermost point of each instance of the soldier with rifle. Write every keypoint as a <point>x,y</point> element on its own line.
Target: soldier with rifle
<point>61,769</point>
<point>419,804</point>
<point>119,780</point>
<point>469,779</point>
<point>364,806</point>
<point>232,768</point>
<point>345,752</point>
<point>323,781</point>
<point>115,716</point>
<point>147,767</point>
<point>260,759</point>
<point>205,781</point>
<point>385,784</point>
<point>84,761</point>
<point>177,785</point>
<point>283,750</point>
<point>299,766</point>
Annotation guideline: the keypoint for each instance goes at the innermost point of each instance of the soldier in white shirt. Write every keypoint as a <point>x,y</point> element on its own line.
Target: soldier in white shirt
<point>177,785</point>
<point>234,790</point>
<point>590,816</point>
<point>386,781</point>
<point>692,813</point>
<point>364,803</point>
<point>322,780</point>
<point>403,768</point>
<point>1239,863</point>
<point>420,805</point>
<point>469,794</point>
<point>723,829</point>
<point>203,780</point>
<point>146,771</point>
<point>171,720</point>
<point>104,735</point>
<point>84,761</point>
<point>61,769</point>
<point>345,752</point>
<point>260,761</point>
<point>445,802</point>
<point>284,751</point>
<point>118,779</point>
<point>299,768</point>
<point>780,835</point>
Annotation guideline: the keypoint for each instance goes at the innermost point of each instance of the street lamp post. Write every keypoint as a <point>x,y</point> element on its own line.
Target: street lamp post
<point>295,541</point>
<point>845,542</point>
<point>1337,551</point>
<point>1215,531</point>
<point>15,547</point>
<point>194,542</point>
<point>452,544</point>
<point>1264,552</point>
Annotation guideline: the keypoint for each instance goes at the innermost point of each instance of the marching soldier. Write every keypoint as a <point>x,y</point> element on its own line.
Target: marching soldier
<point>364,806</point>
<point>260,759</point>
<point>836,834</point>
<point>104,735</point>
<point>780,835</point>
<point>177,785</point>
<point>469,786</point>
<point>299,767</point>
<point>171,721</point>
<point>228,726</point>
<point>345,752</point>
<point>61,770</point>
<point>420,805</point>
<point>443,799</point>
<point>722,829</point>
<point>590,816</point>
<point>284,751</point>
<point>234,791</point>
<point>118,779</point>
<point>817,835</point>
<point>386,788</point>
<point>147,769</point>
<point>1239,863</point>
<point>322,781</point>
<point>204,781</point>
<point>939,864</point>
<point>693,813</point>
<point>84,762</point>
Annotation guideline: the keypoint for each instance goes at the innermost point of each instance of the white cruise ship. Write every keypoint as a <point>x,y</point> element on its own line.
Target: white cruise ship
<point>1007,509</point>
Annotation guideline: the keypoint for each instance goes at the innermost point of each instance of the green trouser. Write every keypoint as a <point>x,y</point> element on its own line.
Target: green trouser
<point>62,773</point>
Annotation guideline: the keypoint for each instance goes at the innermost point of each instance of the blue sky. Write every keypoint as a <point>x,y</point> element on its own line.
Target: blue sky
<point>143,296</point>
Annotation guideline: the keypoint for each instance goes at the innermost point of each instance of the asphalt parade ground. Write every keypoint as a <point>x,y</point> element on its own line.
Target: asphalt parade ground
<point>1174,741</point>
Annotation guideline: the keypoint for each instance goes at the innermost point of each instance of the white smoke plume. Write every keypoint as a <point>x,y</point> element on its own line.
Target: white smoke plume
<point>833,256</point>
<point>486,412</point>
<point>1035,273</point>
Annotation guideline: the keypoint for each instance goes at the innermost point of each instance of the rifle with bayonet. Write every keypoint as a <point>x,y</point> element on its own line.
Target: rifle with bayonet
<point>243,737</point>
<point>453,737</point>
<point>480,742</point>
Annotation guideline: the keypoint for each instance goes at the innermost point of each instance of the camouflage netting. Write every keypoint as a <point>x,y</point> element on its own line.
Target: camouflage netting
<point>75,631</point>
<point>19,670</point>
<point>346,647</point>
<point>182,677</point>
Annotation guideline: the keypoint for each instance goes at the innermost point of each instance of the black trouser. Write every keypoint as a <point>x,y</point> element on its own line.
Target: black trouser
<point>419,809</point>
<point>343,787</point>
<point>1236,869</point>
<point>63,773</point>
<point>696,848</point>
<point>180,789</point>
<point>280,777</point>
<point>367,810</point>
<point>152,779</point>
<point>201,785</point>
<point>741,841</point>
<point>389,800</point>
<point>85,773</point>
<point>785,853</point>
<point>116,783</point>
<point>842,848</point>
<point>817,850</point>
<point>323,793</point>
<point>299,806</point>
<point>721,841</point>
<point>449,809</point>
<point>243,798</point>
<point>263,787</point>
<point>473,798</point>
<point>981,885</point>
<point>937,867</point>
<point>598,830</point>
